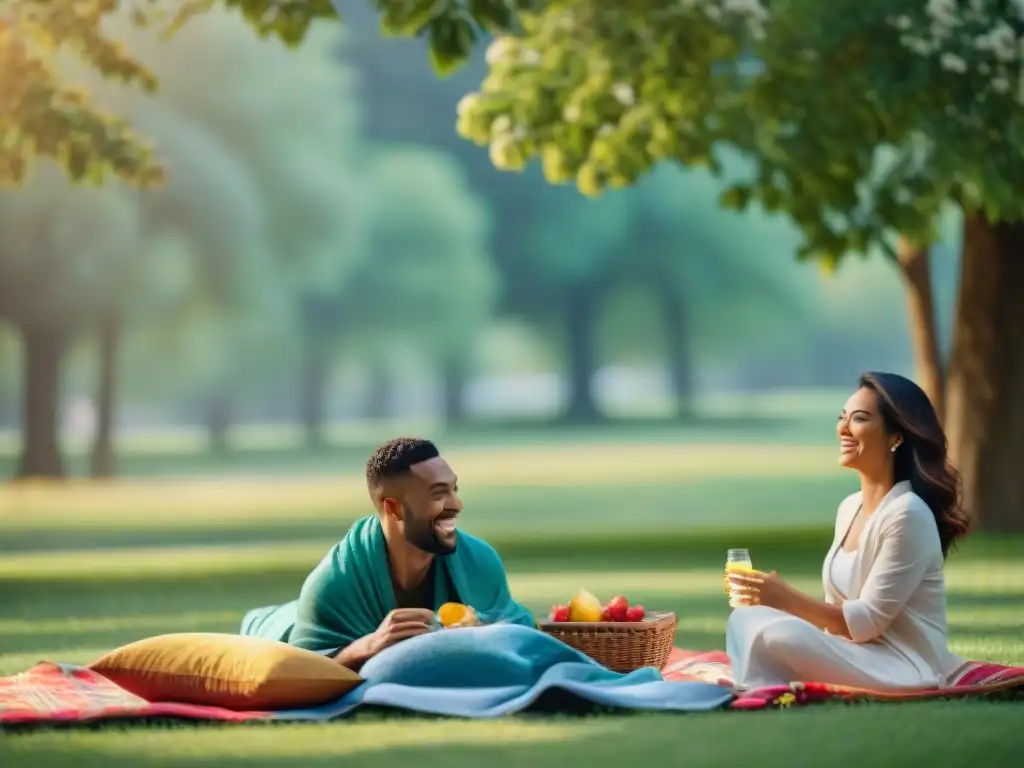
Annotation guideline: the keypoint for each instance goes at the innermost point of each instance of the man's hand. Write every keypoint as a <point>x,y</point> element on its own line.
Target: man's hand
<point>400,624</point>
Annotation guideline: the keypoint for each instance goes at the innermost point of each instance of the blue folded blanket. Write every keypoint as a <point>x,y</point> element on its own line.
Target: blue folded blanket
<point>503,669</point>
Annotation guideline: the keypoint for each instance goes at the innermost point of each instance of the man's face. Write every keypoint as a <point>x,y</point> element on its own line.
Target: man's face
<point>431,505</point>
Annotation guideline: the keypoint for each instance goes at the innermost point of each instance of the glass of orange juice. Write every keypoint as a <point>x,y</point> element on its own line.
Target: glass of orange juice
<point>736,561</point>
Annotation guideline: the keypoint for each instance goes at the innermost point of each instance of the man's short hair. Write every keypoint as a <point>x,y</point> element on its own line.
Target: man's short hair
<point>396,458</point>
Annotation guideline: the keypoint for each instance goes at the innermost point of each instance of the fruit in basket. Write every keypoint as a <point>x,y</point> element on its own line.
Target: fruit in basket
<point>561,613</point>
<point>635,613</point>
<point>585,607</point>
<point>616,608</point>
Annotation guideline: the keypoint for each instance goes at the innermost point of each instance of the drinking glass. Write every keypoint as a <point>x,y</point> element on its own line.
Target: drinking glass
<point>736,561</point>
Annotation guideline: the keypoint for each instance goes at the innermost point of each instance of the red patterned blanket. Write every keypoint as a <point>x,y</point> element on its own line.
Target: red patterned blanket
<point>63,693</point>
<point>979,678</point>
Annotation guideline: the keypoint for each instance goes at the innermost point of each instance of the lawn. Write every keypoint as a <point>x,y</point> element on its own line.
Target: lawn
<point>86,568</point>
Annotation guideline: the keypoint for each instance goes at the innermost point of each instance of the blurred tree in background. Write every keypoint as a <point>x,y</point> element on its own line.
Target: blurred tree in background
<point>424,277</point>
<point>863,119</point>
<point>231,197</point>
<point>61,245</point>
<point>298,151</point>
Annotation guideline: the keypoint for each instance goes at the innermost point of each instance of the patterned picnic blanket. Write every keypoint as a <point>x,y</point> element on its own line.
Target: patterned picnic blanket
<point>978,679</point>
<point>64,693</point>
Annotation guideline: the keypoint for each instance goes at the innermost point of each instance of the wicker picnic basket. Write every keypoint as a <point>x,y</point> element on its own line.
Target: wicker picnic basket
<point>620,646</point>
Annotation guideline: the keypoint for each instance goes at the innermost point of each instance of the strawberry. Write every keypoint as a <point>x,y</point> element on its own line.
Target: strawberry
<point>635,613</point>
<point>560,613</point>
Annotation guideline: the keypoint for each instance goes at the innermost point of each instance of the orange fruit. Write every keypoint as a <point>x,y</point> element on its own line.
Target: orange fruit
<point>451,614</point>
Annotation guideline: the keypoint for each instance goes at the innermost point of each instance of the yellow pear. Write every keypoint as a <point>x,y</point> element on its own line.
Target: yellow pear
<point>585,607</point>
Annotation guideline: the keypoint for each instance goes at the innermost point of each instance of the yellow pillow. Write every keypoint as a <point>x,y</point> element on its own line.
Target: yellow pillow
<point>227,671</point>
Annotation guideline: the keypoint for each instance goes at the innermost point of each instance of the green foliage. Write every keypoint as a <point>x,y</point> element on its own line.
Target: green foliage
<point>43,115</point>
<point>862,116</point>
<point>450,27</point>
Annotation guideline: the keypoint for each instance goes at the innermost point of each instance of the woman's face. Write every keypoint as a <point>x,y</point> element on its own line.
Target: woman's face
<point>863,442</point>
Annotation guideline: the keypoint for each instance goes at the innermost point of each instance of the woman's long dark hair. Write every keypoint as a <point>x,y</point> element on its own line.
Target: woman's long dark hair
<point>921,458</point>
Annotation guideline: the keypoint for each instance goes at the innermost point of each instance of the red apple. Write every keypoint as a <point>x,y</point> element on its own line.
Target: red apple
<point>635,613</point>
<point>615,609</point>
<point>618,603</point>
<point>560,613</point>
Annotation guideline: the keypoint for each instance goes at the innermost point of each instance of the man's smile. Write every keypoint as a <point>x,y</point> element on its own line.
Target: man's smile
<point>447,524</point>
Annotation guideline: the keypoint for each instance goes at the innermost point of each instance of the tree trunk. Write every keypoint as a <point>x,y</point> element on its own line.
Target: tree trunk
<point>218,422</point>
<point>915,265</point>
<point>453,383</point>
<point>680,359</point>
<point>985,388</point>
<point>313,405</point>
<point>103,460</point>
<point>43,348</point>
<point>580,311</point>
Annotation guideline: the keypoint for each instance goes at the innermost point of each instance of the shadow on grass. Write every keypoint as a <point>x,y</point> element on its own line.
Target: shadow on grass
<point>937,733</point>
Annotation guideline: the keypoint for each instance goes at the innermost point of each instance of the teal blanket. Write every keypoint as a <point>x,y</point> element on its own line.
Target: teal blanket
<point>349,593</point>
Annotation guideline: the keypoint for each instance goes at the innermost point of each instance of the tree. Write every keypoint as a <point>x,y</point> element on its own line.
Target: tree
<point>60,244</point>
<point>292,122</point>
<point>424,277</point>
<point>44,115</point>
<point>714,290</point>
<point>250,204</point>
<point>864,119</point>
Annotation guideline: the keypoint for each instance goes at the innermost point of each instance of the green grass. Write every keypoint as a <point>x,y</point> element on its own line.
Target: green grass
<point>85,569</point>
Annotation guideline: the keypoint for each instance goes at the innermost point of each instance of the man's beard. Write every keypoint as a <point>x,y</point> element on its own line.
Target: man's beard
<point>421,534</point>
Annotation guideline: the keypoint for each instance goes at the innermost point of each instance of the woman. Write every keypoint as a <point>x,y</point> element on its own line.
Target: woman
<point>883,622</point>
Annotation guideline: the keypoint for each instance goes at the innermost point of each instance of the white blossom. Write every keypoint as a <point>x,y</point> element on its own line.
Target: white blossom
<point>1000,84</point>
<point>605,130</point>
<point>623,93</point>
<point>750,8</point>
<point>1001,42</point>
<point>917,45</point>
<point>953,63</point>
<point>943,13</point>
<point>572,113</point>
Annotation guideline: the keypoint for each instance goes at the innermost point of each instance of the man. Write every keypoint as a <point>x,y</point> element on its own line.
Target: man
<point>384,582</point>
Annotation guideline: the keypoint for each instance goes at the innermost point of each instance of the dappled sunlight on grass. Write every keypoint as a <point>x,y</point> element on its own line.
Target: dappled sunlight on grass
<point>172,503</point>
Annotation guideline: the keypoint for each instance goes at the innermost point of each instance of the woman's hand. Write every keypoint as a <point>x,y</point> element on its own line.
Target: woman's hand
<point>758,588</point>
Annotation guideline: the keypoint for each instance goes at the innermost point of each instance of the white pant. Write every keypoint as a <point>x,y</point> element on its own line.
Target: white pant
<point>770,647</point>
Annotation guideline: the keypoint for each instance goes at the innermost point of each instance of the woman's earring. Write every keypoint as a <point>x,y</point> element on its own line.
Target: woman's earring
<point>893,449</point>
